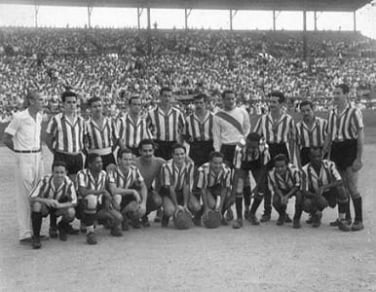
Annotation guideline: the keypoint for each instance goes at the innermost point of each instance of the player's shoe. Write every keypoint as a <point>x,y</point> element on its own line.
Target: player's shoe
<point>70,230</point>
<point>296,223</point>
<point>224,221</point>
<point>36,243</point>
<point>357,226</point>
<point>164,221</point>
<point>158,216</point>
<point>196,221</point>
<point>136,223</point>
<point>247,213</point>
<point>309,220</point>
<point>253,219</point>
<point>316,219</point>
<point>343,225</point>
<point>62,231</point>
<point>238,223</point>
<point>145,221</point>
<point>52,232</point>
<point>335,223</point>
<point>91,238</point>
<point>229,215</point>
<point>115,231</point>
<point>287,218</point>
<point>265,218</point>
<point>281,220</point>
<point>124,224</point>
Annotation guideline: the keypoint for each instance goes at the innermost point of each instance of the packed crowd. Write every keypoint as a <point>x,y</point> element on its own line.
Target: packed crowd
<point>115,64</point>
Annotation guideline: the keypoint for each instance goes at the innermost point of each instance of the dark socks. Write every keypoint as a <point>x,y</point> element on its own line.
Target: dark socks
<point>247,196</point>
<point>239,206</point>
<point>36,219</point>
<point>256,203</point>
<point>53,220</point>
<point>358,209</point>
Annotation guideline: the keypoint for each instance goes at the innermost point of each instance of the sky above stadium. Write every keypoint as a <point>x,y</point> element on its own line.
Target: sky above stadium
<point>21,15</point>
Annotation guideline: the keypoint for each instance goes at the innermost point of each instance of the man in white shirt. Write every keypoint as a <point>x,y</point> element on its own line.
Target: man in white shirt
<point>23,137</point>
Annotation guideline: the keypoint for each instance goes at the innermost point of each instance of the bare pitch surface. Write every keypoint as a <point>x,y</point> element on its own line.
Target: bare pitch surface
<point>264,258</point>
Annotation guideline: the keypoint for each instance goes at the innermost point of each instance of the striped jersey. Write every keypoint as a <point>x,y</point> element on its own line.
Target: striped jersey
<point>281,131</point>
<point>312,180</point>
<point>243,155</point>
<point>311,137</point>
<point>166,126</point>
<point>345,125</point>
<point>86,180</point>
<point>100,136</point>
<point>66,137</point>
<point>46,189</point>
<point>125,180</point>
<point>208,178</point>
<point>199,130</point>
<point>177,177</point>
<point>291,179</point>
<point>132,132</point>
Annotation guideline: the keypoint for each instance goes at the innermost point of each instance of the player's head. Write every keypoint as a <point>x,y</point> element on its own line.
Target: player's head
<point>165,95</point>
<point>253,142</point>
<point>216,161</point>
<point>178,153</point>
<point>34,100</point>
<point>95,104</point>
<point>146,148</point>
<point>135,104</point>
<point>211,102</point>
<point>276,100</point>
<point>306,108</point>
<point>199,101</point>
<point>69,100</point>
<point>125,158</point>
<point>229,99</point>
<point>94,162</point>
<point>59,170</point>
<point>340,94</point>
<point>315,155</point>
<point>280,163</point>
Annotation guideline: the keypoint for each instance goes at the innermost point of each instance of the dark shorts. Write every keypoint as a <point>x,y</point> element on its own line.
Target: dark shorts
<point>164,149</point>
<point>165,192</point>
<point>199,152</point>
<point>274,150</point>
<point>228,152</point>
<point>74,163</point>
<point>106,159</point>
<point>344,153</point>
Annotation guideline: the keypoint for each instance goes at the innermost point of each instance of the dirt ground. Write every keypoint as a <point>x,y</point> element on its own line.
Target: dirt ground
<point>263,258</point>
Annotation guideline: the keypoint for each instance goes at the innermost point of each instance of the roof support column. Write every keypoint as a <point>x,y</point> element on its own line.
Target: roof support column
<point>275,16</point>
<point>187,13</point>
<point>139,13</point>
<point>148,30</point>
<point>354,20</point>
<point>36,13</point>
<point>89,12</point>
<point>315,20</point>
<point>232,16</point>
<point>304,34</point>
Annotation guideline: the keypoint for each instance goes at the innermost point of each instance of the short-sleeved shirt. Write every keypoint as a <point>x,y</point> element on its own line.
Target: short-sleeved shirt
<point>311,137</point>
<point>125,180</point>
<point>208,178</point>
<point>281,131</point>
<point>242,157</point>
<point>312,180</point>
<point>177,177</point>
<point>132,132</point>
<point>291,179</point>
<point>86,180</point>
<point>25,130</point>
<point>46,189</point>
<point>66,137</point>
<point>100,136</point>
<point>199,130</point>
<point>345,125</point>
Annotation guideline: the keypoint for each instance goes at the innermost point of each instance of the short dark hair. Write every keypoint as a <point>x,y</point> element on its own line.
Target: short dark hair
<point>314,148</point>
<point>344,87</point>
<point>281,157</point>
<point>133,98</point>
<point>227,91</point>
<point>200,96</point>
<point>304,103</point>
<point>215,154</point>
<point>164,89</point>
<point>93,100</point>
<point>279,94</point>
<point>91,157</point>
<point>146,142</point>
<point>30,95</point>
<point>59,163</point>
<point>253,137</point>
<point>177,146</point>
<point>66,94</point>
<point>122,152</point>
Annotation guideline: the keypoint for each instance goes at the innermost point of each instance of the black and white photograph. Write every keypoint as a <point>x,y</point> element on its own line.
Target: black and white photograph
<point>184,145</point>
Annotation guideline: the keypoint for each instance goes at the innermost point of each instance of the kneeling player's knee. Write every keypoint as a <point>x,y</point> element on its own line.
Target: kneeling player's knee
<point>117,217</point>
<point>169,210</point>
<point>37,207</point>
<point>307,205</point>
<point>69,214</point>
<point>157,200</point>
<point>91,202</point>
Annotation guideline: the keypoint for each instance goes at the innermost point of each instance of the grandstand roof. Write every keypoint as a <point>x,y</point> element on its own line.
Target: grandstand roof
<point>311,5</point>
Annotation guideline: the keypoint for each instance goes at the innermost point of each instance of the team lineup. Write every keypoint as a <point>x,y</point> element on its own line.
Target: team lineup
<point>115,172</point>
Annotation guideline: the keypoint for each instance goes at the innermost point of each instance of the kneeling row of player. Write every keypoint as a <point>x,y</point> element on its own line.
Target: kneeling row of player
<point>120,196</point>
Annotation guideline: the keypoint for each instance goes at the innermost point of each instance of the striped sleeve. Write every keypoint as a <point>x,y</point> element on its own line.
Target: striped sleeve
<point>111,177</point>
<point>271,182</point>
<point>358,119</point>
<point>258,127</point>
<point>333,171</point>
<point>201,182</point>
<point>296,176</point>
<point>52,126</point>
<point>81,179</point>
<point>305,183</point>
<point>38,190</point>
<point>227,178</point>
<point>191,169</point>
<point>72,193</point>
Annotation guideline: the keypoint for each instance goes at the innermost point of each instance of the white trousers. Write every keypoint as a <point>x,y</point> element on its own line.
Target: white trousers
<point>28,171</point>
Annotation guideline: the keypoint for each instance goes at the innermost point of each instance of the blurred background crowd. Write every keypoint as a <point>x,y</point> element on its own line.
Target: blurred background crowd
<point>115,64</point>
